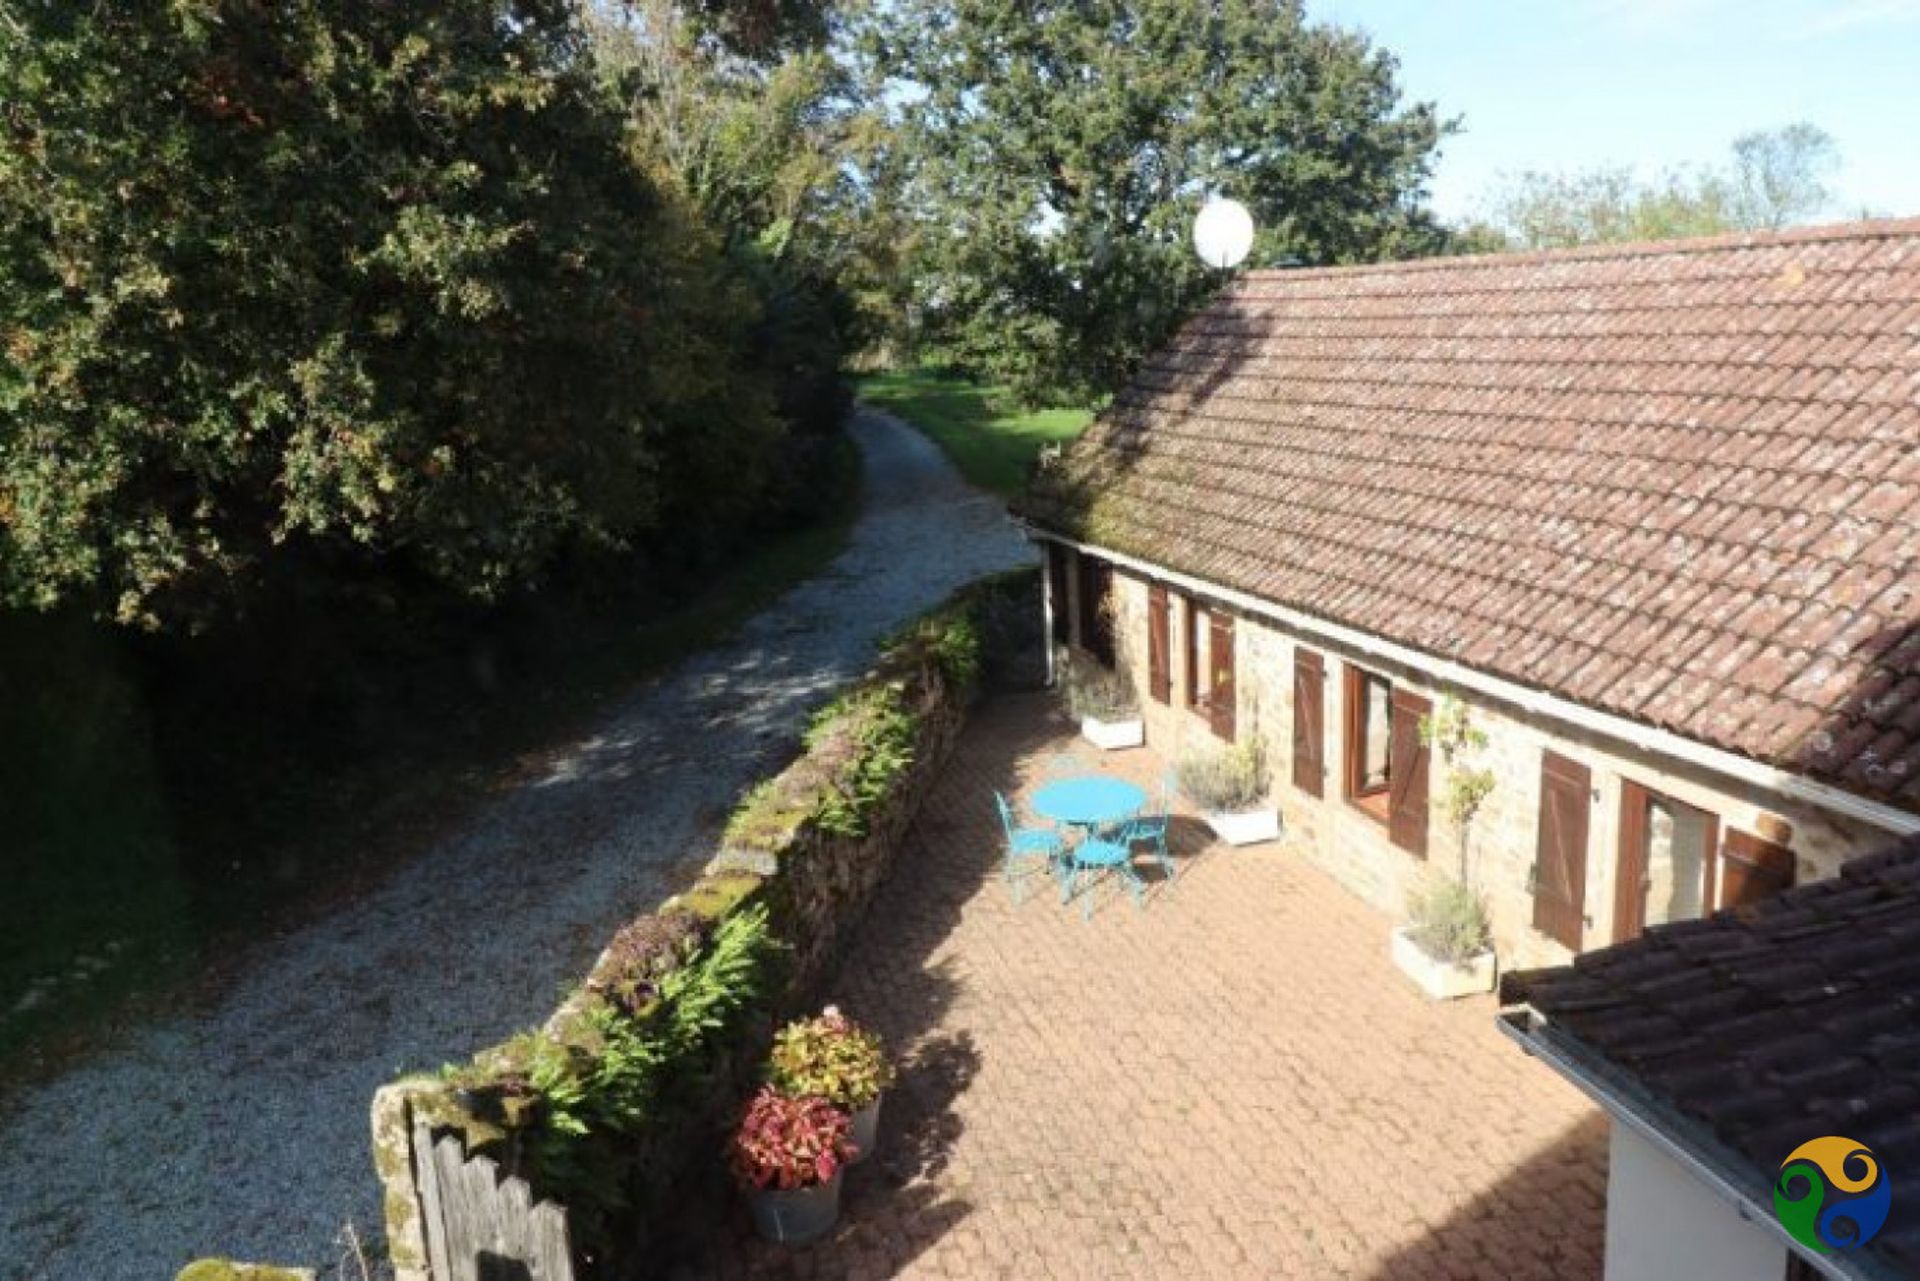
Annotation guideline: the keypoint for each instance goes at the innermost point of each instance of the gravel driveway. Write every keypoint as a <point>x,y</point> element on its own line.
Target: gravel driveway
<point>241,1130</point>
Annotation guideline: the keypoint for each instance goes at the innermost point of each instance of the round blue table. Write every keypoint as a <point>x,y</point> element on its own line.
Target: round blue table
<point>1090,801</point>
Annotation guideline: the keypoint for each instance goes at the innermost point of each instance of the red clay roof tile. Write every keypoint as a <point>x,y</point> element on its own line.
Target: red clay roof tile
<point>1679,482</point>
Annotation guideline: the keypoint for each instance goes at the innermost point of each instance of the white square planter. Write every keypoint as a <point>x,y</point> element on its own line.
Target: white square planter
<point>1111,736</point>
<point>1248,827</point>
<point>1441,980</point>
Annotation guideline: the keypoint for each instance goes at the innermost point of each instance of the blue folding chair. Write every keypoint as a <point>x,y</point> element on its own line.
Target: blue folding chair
<point>1027,843</point>
<point>1104,860</point>
<point>1152,828</point>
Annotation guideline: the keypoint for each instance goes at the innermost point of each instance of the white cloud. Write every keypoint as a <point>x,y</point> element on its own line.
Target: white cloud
<point>1844,15</point>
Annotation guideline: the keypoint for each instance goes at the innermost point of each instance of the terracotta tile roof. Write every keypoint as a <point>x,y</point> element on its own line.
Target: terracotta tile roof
<point>1759,1028</point>
<point>1679,482</point>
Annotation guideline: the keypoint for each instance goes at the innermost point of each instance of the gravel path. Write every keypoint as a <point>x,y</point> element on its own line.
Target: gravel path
<point>242,1130</point>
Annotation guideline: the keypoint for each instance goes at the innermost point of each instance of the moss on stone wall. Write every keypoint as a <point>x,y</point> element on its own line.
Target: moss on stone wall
<point>227,1270</point>
<point>804,852</point>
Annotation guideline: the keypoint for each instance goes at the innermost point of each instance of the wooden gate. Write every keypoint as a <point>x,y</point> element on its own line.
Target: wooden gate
<point>481,1225</point>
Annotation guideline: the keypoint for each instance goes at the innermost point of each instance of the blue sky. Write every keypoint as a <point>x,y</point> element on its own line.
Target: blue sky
<point>1571,84</point>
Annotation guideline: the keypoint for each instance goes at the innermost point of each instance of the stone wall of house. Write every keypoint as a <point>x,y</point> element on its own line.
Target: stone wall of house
<point>1502,842</point>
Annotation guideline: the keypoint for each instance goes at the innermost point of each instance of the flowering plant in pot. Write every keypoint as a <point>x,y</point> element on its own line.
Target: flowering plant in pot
<point>835,1058</point>
<point>1447,945</point>
<point>788,1154</point>
<point>1229,785</point>
<point>1102,701</point>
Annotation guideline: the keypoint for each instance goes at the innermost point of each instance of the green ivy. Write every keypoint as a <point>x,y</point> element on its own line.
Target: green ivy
<point>875,733</point>
<point>948,639</point>
<point>604,1084</point>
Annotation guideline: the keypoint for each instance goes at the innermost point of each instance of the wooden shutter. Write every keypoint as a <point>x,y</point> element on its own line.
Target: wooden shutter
<point>1220,692</point>
<point>1407,806</point>
<point>1560,861</point>
<point>1309,722</point>
<point>1059,566</point>
<point>1159,637</point>
<point>1753,869</point>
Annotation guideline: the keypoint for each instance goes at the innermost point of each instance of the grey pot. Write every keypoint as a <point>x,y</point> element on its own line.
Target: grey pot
<point>865,1133</point>
<point>801,1215</point>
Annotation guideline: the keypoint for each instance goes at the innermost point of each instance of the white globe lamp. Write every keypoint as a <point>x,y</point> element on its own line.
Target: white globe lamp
<point>1223,234</point>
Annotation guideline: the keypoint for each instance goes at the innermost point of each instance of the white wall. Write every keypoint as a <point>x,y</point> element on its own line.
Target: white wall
<point>1664,1224</point>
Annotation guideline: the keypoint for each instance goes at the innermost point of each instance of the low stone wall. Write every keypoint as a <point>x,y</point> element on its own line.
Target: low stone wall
<point>807,850</point>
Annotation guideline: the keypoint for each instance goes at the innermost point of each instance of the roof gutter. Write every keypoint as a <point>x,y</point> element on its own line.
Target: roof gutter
<point>1553,1048</point>
<point>1618,728</point>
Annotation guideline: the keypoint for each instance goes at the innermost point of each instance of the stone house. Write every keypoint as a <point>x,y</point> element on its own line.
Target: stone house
<point>1649,513</point>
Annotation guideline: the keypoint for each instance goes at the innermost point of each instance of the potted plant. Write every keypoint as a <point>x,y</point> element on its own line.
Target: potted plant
<point>1229,785</point>
<point>835,1058</point>
<point>1103,702</point>
<point>1446,946</point>
<point>788,1154</point>
<point>1464,788</point>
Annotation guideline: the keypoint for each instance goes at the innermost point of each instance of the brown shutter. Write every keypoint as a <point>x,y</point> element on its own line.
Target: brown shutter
<point>1629,877</point>
<point>1753,869</point>
<point>1059,566</point>
<point>1159,636</point>
<point>1309,722</point>
<point>1560,862</point>
<point>1407,812</point>
<point>1220,692</point>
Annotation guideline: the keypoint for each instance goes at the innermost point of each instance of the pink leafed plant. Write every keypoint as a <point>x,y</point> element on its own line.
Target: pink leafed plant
<point>786,1143</point>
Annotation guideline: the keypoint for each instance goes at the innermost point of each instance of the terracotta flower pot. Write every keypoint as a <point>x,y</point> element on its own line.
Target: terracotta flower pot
<point>799,1215</point>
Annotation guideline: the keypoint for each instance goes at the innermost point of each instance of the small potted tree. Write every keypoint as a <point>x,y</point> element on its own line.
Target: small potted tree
<point>788,1155</point>
<point>1446,946</point>
<point>1103,702</point>
<point>838,1060</point>
<point>1229,785</point>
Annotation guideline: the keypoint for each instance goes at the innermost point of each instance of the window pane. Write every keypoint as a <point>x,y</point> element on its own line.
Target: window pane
<point>1376,731</point>
<point>1676,861</point>
<point>1202,654</point>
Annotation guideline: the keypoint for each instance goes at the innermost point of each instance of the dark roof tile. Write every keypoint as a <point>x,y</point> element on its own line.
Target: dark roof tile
<point>1768,1025</point>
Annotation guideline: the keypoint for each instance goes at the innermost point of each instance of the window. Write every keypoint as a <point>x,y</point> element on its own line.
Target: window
<point>1667,867</point>
<point>1210,689</point>
<point>1199,656</point>
<point>1369,739</point>
<point>1059,566</point>
<point>1096,608</point>
<point>1386,763</point>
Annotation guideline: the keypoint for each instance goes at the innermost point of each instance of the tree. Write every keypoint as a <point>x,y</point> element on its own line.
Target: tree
<point>1610,205</point>
<point>1779,175</point>
<point>370,285</point>
<point>1056,153</point>
<point>1774,180</point>
<point>753,145</point>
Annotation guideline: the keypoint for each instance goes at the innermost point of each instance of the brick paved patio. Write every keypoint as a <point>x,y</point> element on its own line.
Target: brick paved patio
<point>1232,1082</point>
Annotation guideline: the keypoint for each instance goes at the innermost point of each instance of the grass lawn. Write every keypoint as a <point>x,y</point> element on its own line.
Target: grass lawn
<point>989,437</point>
<point>129,876</point>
